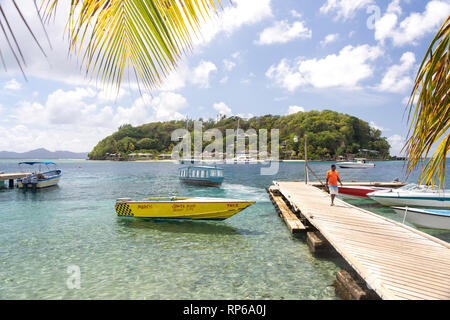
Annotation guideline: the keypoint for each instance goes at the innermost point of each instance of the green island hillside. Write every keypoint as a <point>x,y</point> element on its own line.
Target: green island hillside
<point>329,135</point>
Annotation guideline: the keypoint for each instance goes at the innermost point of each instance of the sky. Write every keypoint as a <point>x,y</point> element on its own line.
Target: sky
<point>256,57</point>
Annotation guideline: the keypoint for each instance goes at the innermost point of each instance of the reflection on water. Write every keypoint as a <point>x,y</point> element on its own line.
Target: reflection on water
<point>183,226</point>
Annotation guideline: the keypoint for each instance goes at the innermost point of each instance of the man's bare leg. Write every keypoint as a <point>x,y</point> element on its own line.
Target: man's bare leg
<point>332,199</point>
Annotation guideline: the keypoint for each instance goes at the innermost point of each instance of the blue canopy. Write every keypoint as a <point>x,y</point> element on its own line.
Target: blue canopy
<point>36,162</point>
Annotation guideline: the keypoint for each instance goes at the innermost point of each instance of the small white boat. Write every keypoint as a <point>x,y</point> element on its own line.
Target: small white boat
<point>40,179</point>
<point>413,195</point>
<point>427,218</point>
<point>359,163</point>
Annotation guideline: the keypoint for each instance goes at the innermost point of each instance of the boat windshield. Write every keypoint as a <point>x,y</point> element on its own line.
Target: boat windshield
<point>420,188</point>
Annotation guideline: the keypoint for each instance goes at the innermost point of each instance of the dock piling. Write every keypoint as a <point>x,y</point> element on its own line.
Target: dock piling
<point>349,286</point>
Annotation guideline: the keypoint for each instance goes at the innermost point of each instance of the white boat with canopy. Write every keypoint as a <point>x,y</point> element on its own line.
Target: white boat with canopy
<point>43,176</point>
<point>359,163</point>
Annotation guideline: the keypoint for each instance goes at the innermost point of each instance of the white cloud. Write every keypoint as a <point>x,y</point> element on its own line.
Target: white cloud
<point>345,9</point>
<point>375,126</point>
<point>223,109</point>
<point>344,70</point>
<point>397,78</point>
<point>167,106</point>
<point>329,39</point>
<point>236,55</point>
<point>233,17</point>
<point>405,100</point>
<point>12,85</point>
<point>295,109</point>
<point>183,75</point>
<point>109,95</point>
<point>76,119</point>
<point>229,65</point>
<point>394,7</point>
<point>65,107</point>
<point>224,80</point>
<point>283,32</point>
<point>413,27</point>
<point>296,14</point>
<point>202,72</point>
<point>397,142</point>
<point>245,116</point>
<point>164,107</point>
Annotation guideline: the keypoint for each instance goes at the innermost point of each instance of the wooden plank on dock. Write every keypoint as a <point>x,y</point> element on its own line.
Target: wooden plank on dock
<point>292,221</point>
<point>395,260</point>
<point>13,175</point>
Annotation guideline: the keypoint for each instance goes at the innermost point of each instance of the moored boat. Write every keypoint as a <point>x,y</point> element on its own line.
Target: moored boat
<point>39,178</point>
<point>413,195</point>
<point>196,208</point>
<point>359,163</point>
<point>358,192</point>
<point>201,175</point>
<point>425,217</point>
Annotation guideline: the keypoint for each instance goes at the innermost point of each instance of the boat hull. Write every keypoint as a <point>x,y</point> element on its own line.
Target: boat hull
<point>44,183</point>
<point>412,201</point>
<point>357,192</point>
<point>198,210</point>
<point>202,182</point>
<point>356,165</point>
<point>422,218</point>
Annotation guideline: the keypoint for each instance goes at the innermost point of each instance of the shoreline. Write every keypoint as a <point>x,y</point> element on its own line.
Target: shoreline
<point>224,162</point>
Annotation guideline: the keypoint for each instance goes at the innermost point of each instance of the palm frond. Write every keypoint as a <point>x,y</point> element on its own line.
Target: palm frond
<point>8,33</point>
<point>113,36</point>
<point>148,36</point>
<point>429,113</point>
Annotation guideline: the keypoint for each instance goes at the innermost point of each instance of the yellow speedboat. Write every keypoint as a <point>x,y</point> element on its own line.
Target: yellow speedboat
<point>181,208</point>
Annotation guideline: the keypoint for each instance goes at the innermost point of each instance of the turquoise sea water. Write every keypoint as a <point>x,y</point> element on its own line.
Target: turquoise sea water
<point>249,256</point>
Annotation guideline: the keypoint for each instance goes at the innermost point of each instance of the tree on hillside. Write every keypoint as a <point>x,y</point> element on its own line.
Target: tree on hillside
<point>330,134</point>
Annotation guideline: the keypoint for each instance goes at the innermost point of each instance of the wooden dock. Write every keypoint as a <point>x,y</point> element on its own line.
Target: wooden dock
<point>292,221</point>
<point>13,176</point>
<point>394,260</point>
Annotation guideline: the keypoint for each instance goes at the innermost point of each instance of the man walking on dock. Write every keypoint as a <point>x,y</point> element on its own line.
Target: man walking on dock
<point>332,180</point>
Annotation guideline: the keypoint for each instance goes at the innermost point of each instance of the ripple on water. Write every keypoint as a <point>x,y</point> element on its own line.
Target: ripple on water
<point>249,256</point>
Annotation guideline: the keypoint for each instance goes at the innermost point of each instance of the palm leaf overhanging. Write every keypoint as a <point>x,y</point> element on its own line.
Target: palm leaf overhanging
<point>429,111</point>
<point>146,37</point>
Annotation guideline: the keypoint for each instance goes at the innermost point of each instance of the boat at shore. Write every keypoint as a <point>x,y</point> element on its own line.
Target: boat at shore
<point>195,208</point>
<point>201,175</point>
<point>413,195</point>
<point>40,178</point>
<point>358,192</point>
<point>424,217</point>
<point>359,163</point>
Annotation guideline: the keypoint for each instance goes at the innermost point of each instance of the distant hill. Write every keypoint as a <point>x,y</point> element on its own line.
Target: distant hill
<point>42,153</point>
